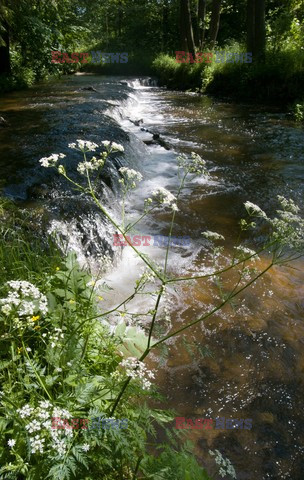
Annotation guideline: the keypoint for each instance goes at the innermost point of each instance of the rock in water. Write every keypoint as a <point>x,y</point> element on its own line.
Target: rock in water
<point>90,89</point>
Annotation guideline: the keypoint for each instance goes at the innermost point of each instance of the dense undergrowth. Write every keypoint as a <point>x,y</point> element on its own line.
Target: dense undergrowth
<point>279,80</point>
<point>58,360</point>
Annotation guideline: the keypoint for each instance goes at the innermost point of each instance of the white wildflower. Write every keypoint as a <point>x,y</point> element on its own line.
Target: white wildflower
<point>245,251</point>
<point>6,309</point>
<point>213,235</point>
<point>86,146</point>
<point>45,404</point>
<point>254,210</point>
<point>37,444</point>
<point>51,160</point>
<point>116,147</point>
<point>85,447</point>
<point>130,178</point>
<point>106,143</point>
<point>25,297</point>
<point>11,443</point>
<point>163,196</point>
<point>193,164</point>
<point>25,411</point>
<point>137,370</point>
<point>33,426</point>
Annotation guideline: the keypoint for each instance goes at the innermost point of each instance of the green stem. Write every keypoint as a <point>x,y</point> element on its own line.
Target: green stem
<point>172,221</point>
<point>220,306</point>
<point>35,371</point>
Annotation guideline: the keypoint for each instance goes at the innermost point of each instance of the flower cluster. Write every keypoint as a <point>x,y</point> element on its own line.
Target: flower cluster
<point>254,210</point>
<point>91,165</point>
<point>164,197</point>
<point>56,337</point>
<point>112,146</point>
<point>84,146</point>
<point>52,160</point>
<point>137,370</point>
<point>39,427</point>
<point>213,236</point>
<point>130,178</point>
<point>225,466</point>
<point>244,252</point>
<point>193,164</point>
<point>23,299</point>
<point>288,226</point>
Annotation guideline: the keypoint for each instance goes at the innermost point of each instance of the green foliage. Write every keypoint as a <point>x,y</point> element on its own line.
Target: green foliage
<point>280,79</point>
<point>65,362</point>
<point>178,75</point>
<point>298,111</point>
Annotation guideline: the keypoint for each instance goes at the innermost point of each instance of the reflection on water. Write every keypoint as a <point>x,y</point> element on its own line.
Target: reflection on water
<point>249,361</point>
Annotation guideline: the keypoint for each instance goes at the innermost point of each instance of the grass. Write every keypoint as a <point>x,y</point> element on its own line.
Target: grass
<point>279,80</point>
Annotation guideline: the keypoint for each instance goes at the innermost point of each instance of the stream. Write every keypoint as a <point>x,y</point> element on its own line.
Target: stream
<point>250,361</point>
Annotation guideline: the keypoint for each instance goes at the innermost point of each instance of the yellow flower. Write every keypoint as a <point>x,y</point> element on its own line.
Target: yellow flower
<point>57,268</point>
<point>19,349</point>
<point>100,298</point>
<point>34,319</point>
<point>72,301</point>
<point>37,327</point>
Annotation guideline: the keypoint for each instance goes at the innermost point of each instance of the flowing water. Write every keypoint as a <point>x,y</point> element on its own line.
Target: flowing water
<point>249,362</point>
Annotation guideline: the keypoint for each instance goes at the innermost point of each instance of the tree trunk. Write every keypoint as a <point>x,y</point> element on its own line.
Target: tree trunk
<point>215,21</point>
<point>5,61</point>
<point>183,31</point>
<point>165,25</point>
<point>200,30</point>
<point>187,39</point>
<point>250,25</point>
<point>201,21</point>
<point>119,19</point>
<point>260,31</point>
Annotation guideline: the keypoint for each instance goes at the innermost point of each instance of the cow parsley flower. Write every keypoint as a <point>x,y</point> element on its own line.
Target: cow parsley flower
<point>24,298</point>
<point>90,165</point>
<point>37,444</point>
<point>86,146</point>
<point>51,160</point>
<point>130,178</point>
<point>164,197</point>
<point>193,164</point>
<point>116,147</point>
<point>213,235</point>
<point>25,411</point>
<point>254,210</point>
<point>288,226</point>
<point>136,369</point>
<point>245,251</point>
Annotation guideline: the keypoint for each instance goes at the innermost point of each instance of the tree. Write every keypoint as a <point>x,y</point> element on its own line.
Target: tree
<point>215,21</point>
<point>260,31</point>
<point>250,25</point>
<point>256,30</point>
<point>187,39</point>
<point>5,61</point>
<point>200,30</point>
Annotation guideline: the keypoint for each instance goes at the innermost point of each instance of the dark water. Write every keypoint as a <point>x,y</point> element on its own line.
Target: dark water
<point>252,359</point>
